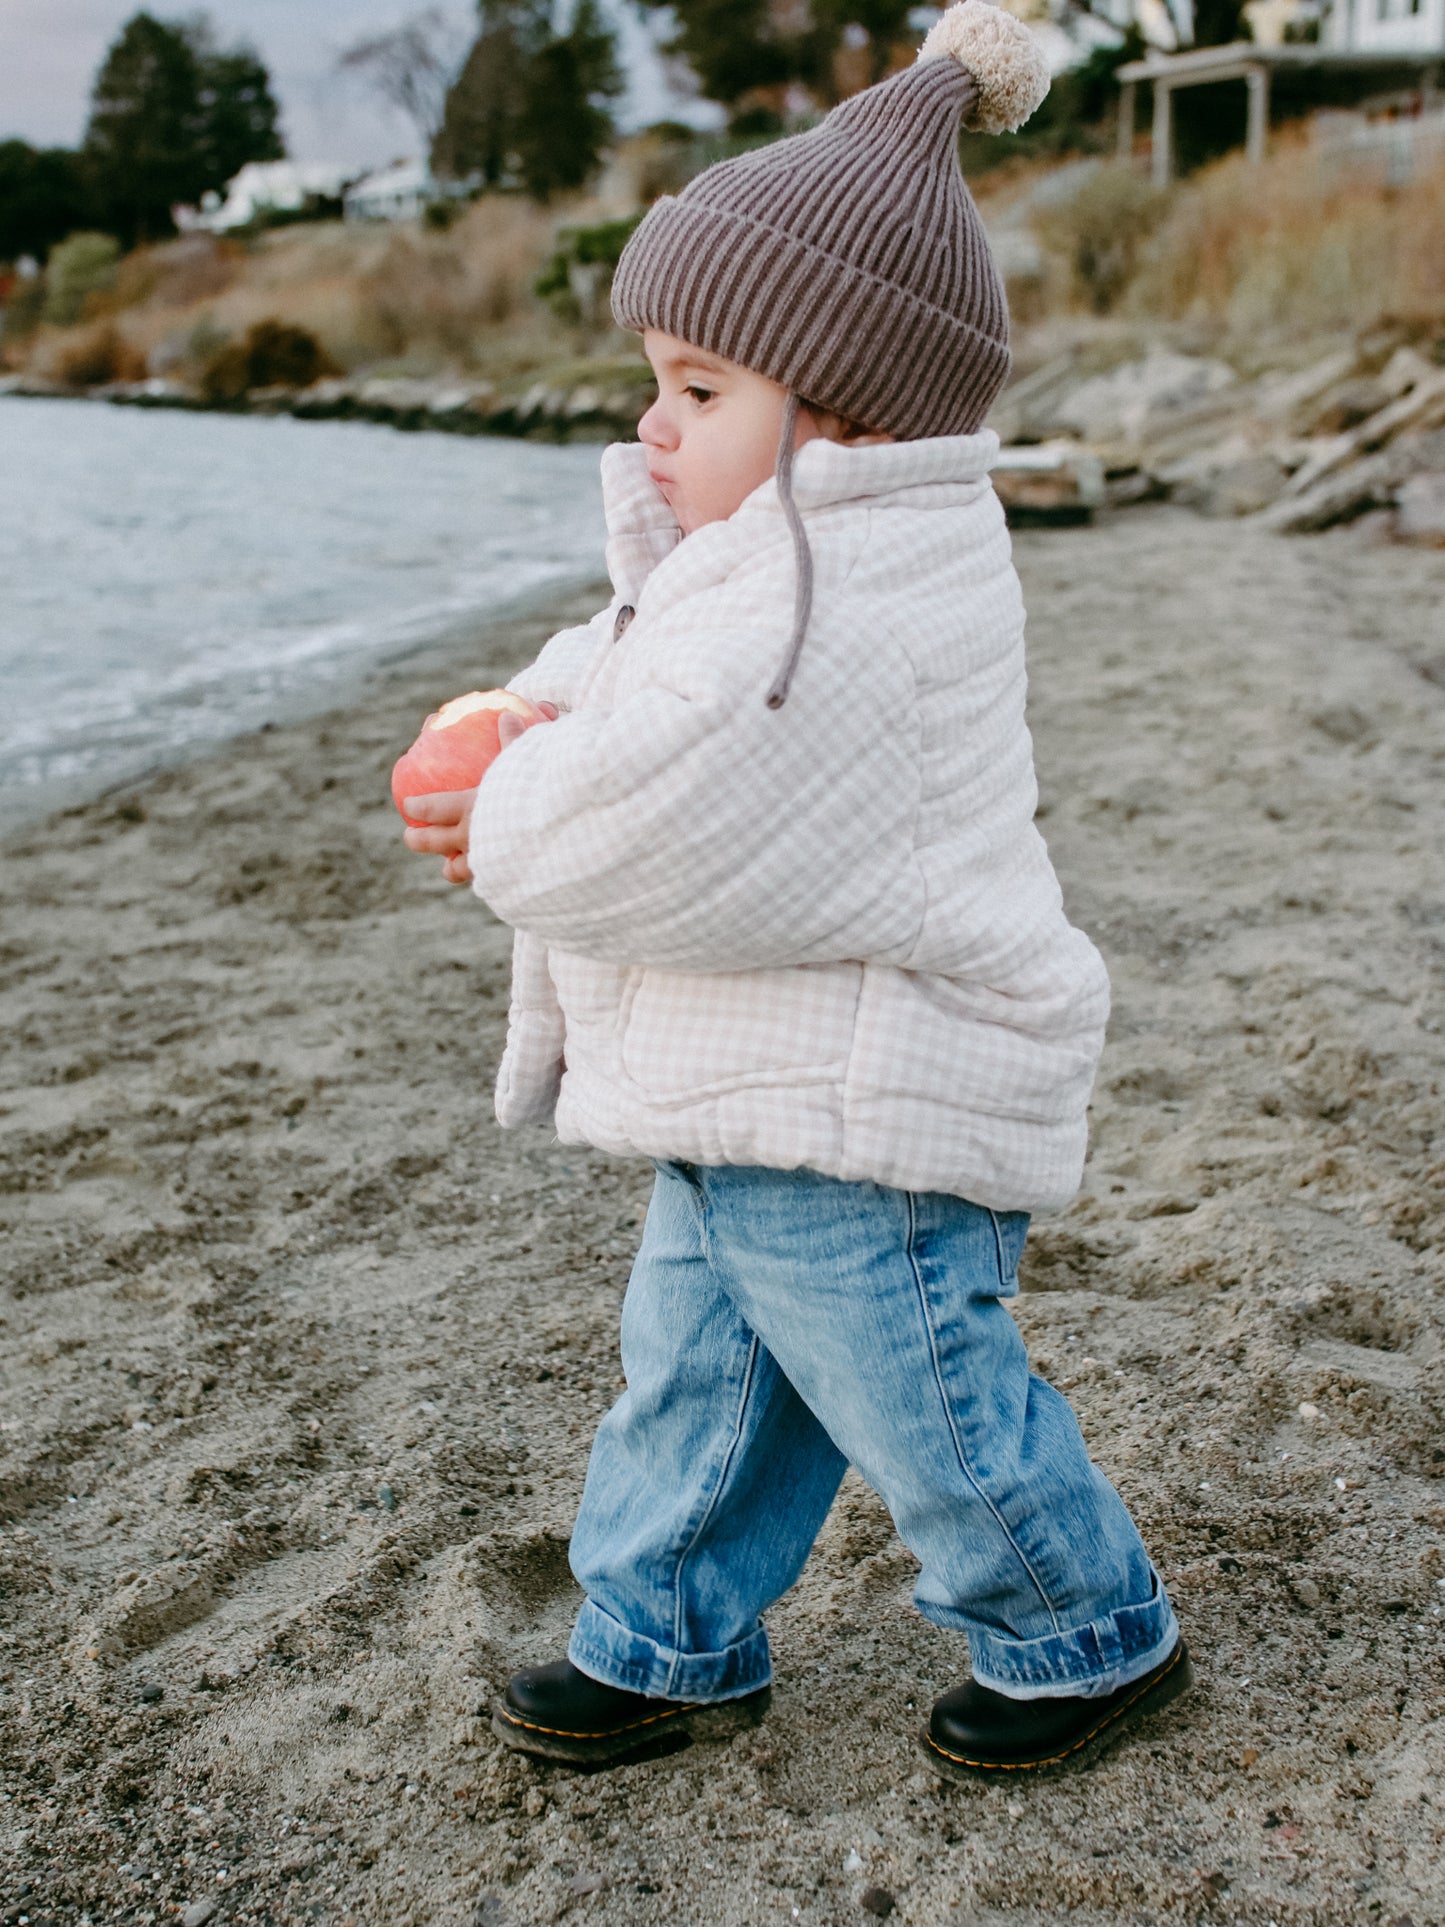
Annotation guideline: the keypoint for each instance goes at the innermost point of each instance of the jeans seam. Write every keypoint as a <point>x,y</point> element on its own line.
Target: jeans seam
<point>708,1510</point>
<point>962,1456</point>
<point>997,1245</point>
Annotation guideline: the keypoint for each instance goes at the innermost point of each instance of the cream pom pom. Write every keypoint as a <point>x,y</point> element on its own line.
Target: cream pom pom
<point>1004,57</point>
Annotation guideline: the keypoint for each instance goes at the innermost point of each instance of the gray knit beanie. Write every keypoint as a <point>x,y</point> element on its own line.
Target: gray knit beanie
<point>849,264</point>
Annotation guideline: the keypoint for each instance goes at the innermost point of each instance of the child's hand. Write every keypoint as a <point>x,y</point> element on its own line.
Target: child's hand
<point>447,815</point>
<point>510,725</point>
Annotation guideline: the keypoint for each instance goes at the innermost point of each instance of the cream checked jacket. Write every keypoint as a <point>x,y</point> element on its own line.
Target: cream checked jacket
<point>826,935</point>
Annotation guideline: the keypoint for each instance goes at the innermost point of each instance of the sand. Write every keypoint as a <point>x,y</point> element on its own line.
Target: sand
<point>302,1356</point>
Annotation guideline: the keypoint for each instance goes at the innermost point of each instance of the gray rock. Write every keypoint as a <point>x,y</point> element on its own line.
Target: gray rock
<point>1420,511</point>
<point>1124,404</point>
<point>200,1911</point>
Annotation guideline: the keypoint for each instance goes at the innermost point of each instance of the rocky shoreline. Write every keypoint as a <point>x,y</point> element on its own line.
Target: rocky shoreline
<point>599,408</point>
<point>1359,432</point>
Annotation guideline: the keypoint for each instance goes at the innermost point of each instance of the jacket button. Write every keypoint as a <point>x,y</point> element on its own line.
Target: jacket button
<point>624,616</point>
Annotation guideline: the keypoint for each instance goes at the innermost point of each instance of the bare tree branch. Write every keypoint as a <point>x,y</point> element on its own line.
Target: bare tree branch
<point>412,67</point>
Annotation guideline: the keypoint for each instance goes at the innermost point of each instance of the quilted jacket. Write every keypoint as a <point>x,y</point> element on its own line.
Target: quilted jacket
<point>827,935</point>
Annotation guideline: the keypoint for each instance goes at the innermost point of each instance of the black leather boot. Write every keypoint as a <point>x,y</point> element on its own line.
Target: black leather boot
<point>975,1730</point>
<point>562,1714</point>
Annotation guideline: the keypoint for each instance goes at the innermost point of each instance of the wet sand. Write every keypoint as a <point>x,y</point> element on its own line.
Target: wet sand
<point>302,1355</point>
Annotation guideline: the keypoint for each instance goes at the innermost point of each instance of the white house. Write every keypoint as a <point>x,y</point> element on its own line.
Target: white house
<point>401,192</point>
<point>1385,26</point>
<point>270,187</point>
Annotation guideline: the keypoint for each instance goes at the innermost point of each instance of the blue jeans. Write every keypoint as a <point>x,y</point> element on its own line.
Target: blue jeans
<point>779,1325</point>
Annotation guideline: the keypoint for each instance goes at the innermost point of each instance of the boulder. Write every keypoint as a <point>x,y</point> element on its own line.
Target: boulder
<point>1420,511</point>
<point>1124,405</point>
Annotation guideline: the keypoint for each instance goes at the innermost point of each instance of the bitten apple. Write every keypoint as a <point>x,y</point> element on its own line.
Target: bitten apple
<point>457,745</point>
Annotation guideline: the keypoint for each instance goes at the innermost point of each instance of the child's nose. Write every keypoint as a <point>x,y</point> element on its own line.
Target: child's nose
<point>655,427</point>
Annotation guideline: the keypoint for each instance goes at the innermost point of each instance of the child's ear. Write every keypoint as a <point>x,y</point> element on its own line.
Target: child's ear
<point>838,428</point>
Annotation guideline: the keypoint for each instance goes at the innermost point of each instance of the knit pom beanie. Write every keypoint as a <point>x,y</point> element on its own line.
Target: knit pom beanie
<point>849,264</point>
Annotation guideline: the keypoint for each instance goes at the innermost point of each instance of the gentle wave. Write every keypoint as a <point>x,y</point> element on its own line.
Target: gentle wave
<point>170,579</point>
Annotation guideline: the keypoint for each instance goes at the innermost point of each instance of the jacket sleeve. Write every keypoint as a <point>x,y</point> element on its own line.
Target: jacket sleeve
<point>558,672</point>
<point>692,828</point>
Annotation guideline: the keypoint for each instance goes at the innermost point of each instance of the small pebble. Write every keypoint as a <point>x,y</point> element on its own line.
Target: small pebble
<point>854,1861</point>
<point>589,1883</point>
<point>1309,1411</point>
<point>386,1498</point>
<point>199,1912</point>
<point>150,1694</point>
<point>878,1901</point>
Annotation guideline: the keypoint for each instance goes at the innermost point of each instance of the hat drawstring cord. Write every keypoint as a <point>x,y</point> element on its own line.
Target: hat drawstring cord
<point>803,555</point>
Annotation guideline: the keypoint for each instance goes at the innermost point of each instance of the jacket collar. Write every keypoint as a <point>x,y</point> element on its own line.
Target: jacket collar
<point>642,530</point>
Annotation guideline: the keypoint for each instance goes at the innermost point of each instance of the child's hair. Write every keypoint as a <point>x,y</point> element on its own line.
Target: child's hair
<point>834,427</point>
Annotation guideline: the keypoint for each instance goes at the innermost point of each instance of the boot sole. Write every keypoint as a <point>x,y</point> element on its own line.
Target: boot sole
<point>1156,1690</point>
<point>701,1721</point>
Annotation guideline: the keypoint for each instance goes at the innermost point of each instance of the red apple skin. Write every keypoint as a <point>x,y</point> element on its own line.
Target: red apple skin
<point>456,747</point>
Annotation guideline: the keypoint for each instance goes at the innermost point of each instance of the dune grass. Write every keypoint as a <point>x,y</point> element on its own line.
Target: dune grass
<point>1252,258</point>
<point>1248,262</point>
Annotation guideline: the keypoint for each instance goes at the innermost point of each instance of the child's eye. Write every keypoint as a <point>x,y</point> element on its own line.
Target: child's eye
<point>699,393</point>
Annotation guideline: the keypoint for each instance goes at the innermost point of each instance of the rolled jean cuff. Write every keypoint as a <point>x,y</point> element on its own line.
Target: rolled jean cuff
<point>606,1650</point>
<point>1086,1661</point>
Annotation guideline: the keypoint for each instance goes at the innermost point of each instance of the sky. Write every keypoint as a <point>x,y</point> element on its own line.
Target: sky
<point>50,51</point>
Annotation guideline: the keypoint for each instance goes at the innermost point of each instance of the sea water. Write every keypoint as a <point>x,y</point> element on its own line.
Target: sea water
<point>167,579</point>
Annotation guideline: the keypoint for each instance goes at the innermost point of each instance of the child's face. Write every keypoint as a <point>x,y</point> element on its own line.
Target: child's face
<point>712,434</point>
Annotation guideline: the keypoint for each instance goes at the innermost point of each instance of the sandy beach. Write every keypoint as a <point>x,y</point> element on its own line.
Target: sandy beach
<point>302,1356</point>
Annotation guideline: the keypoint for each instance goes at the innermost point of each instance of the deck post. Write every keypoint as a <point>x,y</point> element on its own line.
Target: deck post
<point>1163,133</point>
<point>1256,79</point>
<point>1125,137</point>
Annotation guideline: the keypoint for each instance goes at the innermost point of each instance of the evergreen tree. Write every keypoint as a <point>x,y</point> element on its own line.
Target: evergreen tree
<point>563,123</point>
<point>738,46</point>
<point>239,117</point>
<point>44,195</point>
<point>530,104</point>
<point>478,132</point>
<point>142,142</point>
<point>733,46</point>
<point>172,117</point>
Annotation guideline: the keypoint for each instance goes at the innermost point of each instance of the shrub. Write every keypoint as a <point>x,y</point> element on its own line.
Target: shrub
<point>1100,230</point>
<point>578,275</point>
<point>1298,247</point>
<point>24,305</point>
<point>78,269</point>
<point>429,292</point>
<point>273,355</point>
<point>100,355</point>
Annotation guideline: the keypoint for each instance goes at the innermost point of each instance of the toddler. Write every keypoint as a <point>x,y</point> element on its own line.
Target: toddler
<point>786,928</point>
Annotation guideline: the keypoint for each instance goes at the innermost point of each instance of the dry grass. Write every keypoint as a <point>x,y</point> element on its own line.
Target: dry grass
<point>1298,247</point>
<point>1245,260</point>
<point>90,357</point>
<point>1250,257</point>
<point>401,297</point>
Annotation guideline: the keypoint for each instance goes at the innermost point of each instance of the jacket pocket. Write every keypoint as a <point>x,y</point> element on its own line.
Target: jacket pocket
<point>690,1035</point>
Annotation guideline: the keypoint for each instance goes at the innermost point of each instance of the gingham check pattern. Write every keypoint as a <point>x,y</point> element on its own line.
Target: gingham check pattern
<point>827,935</point>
